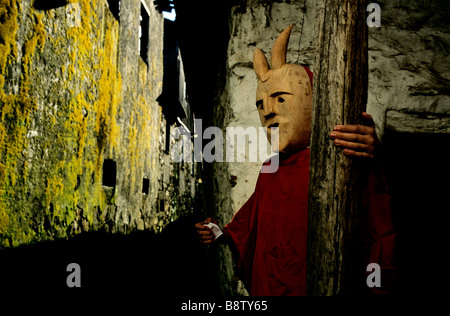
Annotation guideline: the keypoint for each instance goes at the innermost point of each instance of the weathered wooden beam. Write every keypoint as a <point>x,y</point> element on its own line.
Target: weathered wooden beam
<point>340,97</point>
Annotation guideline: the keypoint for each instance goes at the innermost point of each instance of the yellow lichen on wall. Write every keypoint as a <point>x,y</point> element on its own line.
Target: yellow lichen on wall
<point>92,66</point>
<point>136,149</point>
<point>8,52</point>
<point>107,104</point>
<point>65,107</point>
<point>81,126</point>
<point>16,109</point>
<point>8,29</point>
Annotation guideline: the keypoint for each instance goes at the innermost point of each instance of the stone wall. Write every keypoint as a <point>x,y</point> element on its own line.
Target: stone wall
<point>81,135</point>
<point>408,78</point>
<point>409,67</point>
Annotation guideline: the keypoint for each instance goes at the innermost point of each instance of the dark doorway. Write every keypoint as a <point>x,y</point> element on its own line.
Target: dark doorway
<point>418,172</point>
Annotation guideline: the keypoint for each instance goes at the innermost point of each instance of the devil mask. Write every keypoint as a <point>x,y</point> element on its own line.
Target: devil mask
<point>283,97</point>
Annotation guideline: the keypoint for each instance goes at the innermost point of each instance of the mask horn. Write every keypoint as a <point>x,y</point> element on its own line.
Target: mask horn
<point>279,49</point>
<point>260,64</point>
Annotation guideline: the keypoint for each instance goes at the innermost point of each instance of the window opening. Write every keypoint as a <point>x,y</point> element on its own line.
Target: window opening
<point>144,26</point>
<point>109,173</point>
<point>145,186</point>
<point>167,142</point>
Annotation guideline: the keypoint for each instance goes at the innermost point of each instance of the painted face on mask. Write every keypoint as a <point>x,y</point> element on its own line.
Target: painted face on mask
<point>283,98</point>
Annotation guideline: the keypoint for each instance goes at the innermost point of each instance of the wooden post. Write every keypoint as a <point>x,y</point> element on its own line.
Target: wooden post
<point>340,96</point>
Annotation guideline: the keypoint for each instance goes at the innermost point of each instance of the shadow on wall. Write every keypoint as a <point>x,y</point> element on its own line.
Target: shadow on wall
<point>170,263</point>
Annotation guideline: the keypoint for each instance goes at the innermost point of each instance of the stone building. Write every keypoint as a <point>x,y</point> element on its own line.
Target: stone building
<point>93,92</point>
<point>85,144</point>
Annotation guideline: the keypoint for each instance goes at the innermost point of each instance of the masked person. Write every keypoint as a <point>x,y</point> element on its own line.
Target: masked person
<point>269,233</point>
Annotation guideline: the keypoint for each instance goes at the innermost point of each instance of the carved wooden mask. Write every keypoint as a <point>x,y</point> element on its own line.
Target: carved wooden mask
<point>283,97</point>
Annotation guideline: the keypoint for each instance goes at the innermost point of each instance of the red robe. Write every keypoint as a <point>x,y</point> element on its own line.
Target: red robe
<point>269,232</point>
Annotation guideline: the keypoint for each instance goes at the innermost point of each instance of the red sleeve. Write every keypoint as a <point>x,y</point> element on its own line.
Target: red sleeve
<point>380,239</point>
<point>240,234</point>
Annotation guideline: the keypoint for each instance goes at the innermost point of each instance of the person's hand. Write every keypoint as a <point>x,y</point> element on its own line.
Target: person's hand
<point>204,232</point>
<point>357,140</point>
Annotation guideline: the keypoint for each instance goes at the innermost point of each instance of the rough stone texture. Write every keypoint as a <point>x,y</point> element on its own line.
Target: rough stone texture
<point>74,91</point>
<point>417,122</point>
<point>409,60</point>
